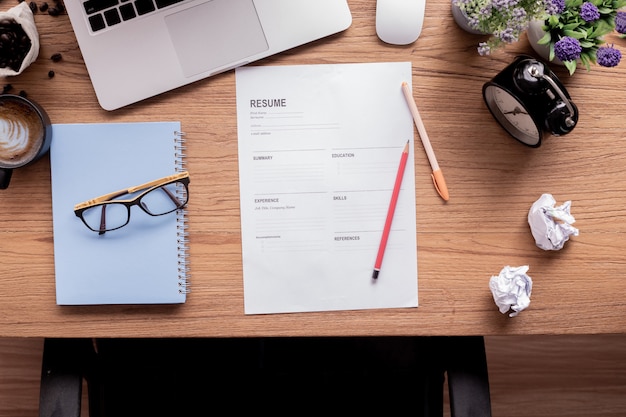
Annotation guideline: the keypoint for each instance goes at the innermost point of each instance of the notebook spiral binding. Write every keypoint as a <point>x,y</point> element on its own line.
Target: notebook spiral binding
<point>181,217</point>
<point>180,151</point>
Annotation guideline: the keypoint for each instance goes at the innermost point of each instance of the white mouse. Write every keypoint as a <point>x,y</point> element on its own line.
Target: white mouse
<point>399,22</point>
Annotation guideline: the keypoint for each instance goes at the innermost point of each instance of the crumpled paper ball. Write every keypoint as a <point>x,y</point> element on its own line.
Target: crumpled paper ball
<point>511,289</point>
<point>551,226</point>
<point>22,15</point>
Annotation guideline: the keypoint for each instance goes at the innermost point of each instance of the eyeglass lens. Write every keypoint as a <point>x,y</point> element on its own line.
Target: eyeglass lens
<point>113,215</point>
<point>164,199</point>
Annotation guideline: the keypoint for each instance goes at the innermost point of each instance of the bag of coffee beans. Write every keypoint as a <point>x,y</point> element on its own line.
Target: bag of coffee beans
<point>19,39</point>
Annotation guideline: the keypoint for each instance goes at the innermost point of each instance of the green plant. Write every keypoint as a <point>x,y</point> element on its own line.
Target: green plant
<point>504,20</point>
<point>575,30</point>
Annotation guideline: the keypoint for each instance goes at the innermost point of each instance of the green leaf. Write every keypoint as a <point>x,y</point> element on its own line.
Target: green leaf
<point>585,60</point>
<point>618,4</point>
<point>571,66</point>
<point>574,34</point>
<point>545,39</point>
<point>592,57</point>
<point>553,20</point>
<point>602,28</point>
<point>587,44</point>
<point>571,26</point>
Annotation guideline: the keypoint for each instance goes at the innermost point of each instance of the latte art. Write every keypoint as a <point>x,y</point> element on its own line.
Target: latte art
<point>21,133</point>
<point>13,137</point>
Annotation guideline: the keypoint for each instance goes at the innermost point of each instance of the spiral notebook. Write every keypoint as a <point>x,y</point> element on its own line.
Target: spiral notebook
<point>144,262</point>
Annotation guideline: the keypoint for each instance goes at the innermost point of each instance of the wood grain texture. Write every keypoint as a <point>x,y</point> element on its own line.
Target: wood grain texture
<point>20,373</point>
<point>565,376</point>
<point>493,181</point>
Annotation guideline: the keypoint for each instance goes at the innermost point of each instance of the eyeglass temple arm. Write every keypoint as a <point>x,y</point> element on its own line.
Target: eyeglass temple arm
<point>130,190</point>
<point>103,223</point>
<point>101,199</point>
<point>172,197</point>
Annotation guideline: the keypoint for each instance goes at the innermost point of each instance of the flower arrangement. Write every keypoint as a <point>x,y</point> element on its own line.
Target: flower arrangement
<point>575,30</point>
<point>504,20</point>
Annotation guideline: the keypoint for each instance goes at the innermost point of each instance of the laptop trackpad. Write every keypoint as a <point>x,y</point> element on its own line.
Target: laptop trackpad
<point>214,34</point>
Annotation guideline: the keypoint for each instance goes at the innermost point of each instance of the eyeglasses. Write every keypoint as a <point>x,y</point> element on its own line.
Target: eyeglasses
<point>165,195</point>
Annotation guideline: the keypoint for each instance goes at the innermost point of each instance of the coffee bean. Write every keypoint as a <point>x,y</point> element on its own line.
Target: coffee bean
<point>53,11</point>
<point>7,88</point>
<point>59,6</point>
<point>43,7</point>
<point>56,57</point>
<point>33,6</point>
<point>14,44</point>
<point>50,74</point>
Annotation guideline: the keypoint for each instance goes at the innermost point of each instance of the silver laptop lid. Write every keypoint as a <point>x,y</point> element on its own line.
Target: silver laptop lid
<point>130,59</point>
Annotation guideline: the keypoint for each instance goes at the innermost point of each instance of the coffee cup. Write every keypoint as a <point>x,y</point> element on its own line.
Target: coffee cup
<point>25,134</point>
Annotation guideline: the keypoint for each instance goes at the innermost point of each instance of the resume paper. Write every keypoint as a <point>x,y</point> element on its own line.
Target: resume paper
<point>319,148</point>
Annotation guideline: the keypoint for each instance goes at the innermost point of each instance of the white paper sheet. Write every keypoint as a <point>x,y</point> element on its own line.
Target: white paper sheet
<point>319,148</point>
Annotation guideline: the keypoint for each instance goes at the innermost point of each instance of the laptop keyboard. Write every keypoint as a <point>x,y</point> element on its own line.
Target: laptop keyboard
<point>106,13</point>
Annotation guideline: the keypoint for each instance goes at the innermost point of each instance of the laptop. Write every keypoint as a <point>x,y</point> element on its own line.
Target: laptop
<point>135,49</point>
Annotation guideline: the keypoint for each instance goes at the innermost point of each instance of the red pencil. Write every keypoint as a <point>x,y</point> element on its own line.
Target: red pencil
<point>391,210</point>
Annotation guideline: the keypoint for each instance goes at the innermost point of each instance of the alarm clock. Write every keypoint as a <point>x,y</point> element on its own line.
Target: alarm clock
<point>527,99</point>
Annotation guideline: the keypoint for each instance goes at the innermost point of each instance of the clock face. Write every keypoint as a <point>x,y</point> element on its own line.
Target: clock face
<point>512,115</point>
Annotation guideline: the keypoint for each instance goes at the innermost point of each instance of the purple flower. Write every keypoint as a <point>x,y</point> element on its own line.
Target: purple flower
<point>555,6</point>
<point>620,22</point>
<point>484,49</point>
<point>608,56</point>
<point>504,4</point>
<point>589,12</point>
<point>507,36</point>
<point>567,49</point>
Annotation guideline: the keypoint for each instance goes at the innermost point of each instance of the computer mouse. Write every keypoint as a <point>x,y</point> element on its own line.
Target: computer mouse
<point>399,22</point>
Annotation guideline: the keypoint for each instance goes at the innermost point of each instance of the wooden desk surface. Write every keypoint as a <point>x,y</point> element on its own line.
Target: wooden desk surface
<point>493,181</point>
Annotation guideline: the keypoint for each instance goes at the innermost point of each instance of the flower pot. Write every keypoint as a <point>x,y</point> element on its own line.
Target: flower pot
<point>462,21</point>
